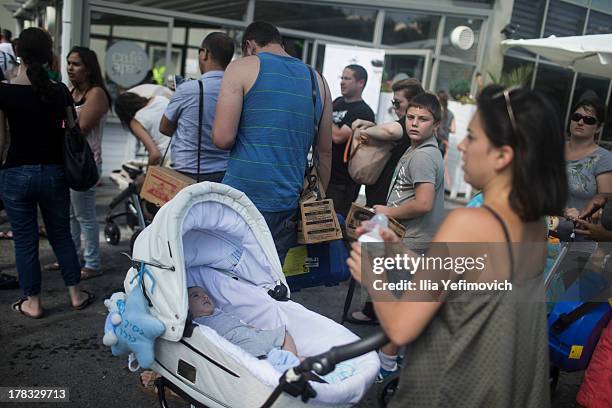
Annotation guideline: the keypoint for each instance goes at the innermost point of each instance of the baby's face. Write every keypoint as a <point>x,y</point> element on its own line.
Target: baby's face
<point>199,302</point>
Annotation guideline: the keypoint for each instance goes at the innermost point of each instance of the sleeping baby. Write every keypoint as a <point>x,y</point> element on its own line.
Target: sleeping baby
<point>256,342</point>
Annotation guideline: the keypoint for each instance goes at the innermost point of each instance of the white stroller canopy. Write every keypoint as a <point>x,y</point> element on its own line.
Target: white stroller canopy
<point>222,229</point>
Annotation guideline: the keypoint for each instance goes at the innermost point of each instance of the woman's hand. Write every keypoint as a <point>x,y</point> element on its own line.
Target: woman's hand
<point>596,232</point>
<point>593,206</point>
<point>361,124</point>
<point>354,259</point>
<point>571,213</point>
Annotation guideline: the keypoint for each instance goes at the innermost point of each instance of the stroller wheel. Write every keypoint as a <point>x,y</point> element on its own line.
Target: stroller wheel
<point>111,233</point>
<point>387,389</point>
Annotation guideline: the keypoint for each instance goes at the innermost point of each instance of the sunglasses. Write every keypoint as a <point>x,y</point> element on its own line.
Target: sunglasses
<point>395,103</point>
<point>588,120</point>
<point>506,93</point>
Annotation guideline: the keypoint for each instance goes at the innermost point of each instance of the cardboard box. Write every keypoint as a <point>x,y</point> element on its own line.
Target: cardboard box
<point>162,184</point>
<point>318,223</point>
<point>359,213</point>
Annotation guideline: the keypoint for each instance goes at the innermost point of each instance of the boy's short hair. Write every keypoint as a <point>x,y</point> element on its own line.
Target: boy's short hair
<point>429,101</point>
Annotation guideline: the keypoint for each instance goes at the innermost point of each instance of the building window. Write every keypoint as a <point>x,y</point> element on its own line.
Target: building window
<point>455,79</point>
<point>408,30</point>
<point>348,22</point>
<point>452,51</point>
<point>604,5</point>
<point>564,19</point>
<point>527,16</point>
<point>599,23</point>
<point>232,10</point>
<point>556,83</point>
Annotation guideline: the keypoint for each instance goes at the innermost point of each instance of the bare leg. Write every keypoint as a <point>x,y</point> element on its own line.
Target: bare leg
<point>289,344</point>
<point>77,296</point>
<point>390,349</point>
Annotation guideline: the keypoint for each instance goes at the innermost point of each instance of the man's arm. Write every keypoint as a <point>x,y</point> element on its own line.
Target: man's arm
<point>324,144</point>
<point>229,106</point>
<point>386,131</point>
<point>341,134</point>
<point>166,126</point>
<point>424,194</point>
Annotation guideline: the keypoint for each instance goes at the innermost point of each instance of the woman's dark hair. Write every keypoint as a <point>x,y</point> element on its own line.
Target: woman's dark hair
<point>90,61</point>
<point>429,101</point>
<point>594,104</point>
<point>410,87</point>
<point>126,106</point>
<point>35,50</point>
<point>539,181</point>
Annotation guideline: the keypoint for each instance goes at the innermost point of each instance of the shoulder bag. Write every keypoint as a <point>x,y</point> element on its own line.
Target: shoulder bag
<point>366,160</point>
<point>80,168</point>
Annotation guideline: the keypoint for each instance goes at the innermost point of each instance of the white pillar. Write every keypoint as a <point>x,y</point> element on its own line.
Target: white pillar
<point>66,36</point>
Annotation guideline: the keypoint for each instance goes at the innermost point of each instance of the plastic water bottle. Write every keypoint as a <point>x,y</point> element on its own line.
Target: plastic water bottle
<point>373,227</point>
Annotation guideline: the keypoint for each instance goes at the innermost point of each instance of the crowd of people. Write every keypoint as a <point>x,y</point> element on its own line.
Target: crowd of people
<point>250,123</point>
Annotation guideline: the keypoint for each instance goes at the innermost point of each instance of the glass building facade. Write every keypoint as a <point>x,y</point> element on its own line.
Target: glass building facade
<point>543,18</point>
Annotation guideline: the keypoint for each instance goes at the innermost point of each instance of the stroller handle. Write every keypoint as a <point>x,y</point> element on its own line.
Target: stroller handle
<point>325,363</point>
<point>295,380</point>
<point>130,189</point>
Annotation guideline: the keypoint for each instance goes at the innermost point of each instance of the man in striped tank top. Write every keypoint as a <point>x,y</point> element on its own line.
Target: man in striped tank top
<point>267,118</point>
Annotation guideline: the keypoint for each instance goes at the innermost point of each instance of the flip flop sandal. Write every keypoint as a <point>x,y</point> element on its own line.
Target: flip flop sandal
<point>53,266</point>
<point>16,306</point>
<point>90,299</point>
<point>87,273</point>
<point>6,235</point>
<point>369,322</point>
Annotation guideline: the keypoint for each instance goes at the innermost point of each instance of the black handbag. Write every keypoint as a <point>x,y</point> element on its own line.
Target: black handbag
<point>80,169</point>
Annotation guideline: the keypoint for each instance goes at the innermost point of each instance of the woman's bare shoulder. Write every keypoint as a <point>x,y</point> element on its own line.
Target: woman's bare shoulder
<point>470,225</point>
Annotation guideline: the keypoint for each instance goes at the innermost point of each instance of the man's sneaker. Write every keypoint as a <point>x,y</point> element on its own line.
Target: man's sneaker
<point>383,374</point>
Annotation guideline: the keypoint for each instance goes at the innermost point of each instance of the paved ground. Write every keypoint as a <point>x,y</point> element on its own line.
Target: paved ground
<point>65,348</point>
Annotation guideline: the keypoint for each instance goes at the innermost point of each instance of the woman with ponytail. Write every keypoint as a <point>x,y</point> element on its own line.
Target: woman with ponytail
<point>92,103</point>
<point>32,176</point>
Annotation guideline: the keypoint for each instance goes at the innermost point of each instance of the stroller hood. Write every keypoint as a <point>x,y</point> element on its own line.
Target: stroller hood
<point>205,224</point>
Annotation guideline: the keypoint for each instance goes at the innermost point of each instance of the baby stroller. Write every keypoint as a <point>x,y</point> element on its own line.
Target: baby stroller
<point>211,235</point>
<point>133,206</point>
<point>578,286</point>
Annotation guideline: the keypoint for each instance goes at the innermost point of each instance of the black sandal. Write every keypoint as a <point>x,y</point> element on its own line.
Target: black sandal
<point>90,299</point>
<point>16,306</point>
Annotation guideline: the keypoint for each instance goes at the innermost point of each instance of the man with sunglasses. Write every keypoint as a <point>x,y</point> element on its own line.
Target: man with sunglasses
<point>347,108</point>
<point>589,166</point>
<point>182,116</point>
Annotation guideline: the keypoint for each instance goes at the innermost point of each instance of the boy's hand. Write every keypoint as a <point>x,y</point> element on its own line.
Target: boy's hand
<point>383,209</point>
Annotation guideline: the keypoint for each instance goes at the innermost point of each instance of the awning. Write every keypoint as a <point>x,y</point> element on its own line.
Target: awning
<point>587,54</point>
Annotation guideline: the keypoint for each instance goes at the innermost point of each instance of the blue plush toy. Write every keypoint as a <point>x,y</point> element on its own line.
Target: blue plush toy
<point>135,330</point>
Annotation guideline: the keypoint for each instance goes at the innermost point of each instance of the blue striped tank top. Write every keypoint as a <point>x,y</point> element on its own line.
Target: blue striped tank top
<point>275,133</point>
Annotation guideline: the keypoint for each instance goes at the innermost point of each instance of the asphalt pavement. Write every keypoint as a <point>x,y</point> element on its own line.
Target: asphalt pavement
<point>64,349</point>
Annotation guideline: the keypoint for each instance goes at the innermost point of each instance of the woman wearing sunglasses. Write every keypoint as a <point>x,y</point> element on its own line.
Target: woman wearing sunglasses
<point>589,166</point>
<point>483,348</point>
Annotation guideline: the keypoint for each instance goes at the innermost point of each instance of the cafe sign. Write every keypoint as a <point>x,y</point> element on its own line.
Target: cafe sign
<point>126,63</point>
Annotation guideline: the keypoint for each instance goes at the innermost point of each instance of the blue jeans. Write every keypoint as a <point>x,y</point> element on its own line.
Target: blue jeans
<point>283,226</point>
<point>22,189</point>
<point>83,221</point>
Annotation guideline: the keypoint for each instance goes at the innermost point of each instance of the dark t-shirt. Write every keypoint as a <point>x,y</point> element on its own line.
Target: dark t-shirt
<point>376,194</point>
<point>345,113</point>
<point>36,133</point>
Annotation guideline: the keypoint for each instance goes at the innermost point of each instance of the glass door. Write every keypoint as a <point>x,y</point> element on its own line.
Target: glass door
<point>133,48</point>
